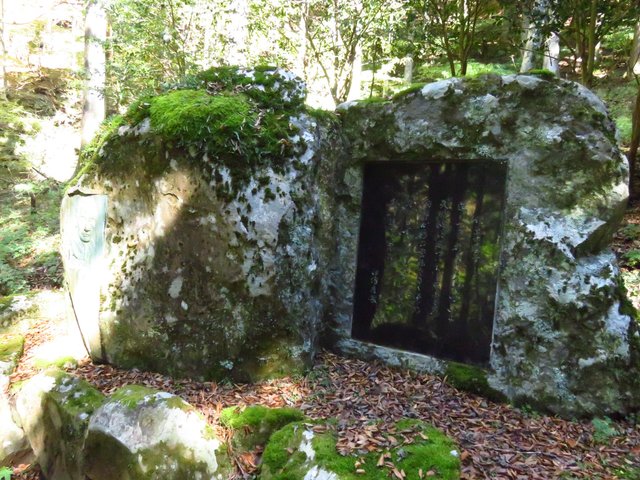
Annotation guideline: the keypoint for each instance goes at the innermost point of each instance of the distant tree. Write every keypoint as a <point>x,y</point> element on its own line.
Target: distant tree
<point>3,54</point>
<point>632,154</point>
<point>94,108</point>
<point>335,33</point>
<point>634,56</point>
<point>581,25</point>
<point>452,26</point>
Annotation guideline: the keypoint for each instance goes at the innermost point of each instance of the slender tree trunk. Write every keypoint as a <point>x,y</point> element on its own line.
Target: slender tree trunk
<point>355,90</point>
<point>471,261</point>
<point>588,62</point>
<point>3,54</point>
<point>429,259</point>
<point>632,154</point>
<point>94,108</point>
<point>634,57</point>
<point>239,34</point>
<point>457,185</point>
<point>532,39</point>
<point>552,54</point>
<point>408,70</point>
<point>301,55</point>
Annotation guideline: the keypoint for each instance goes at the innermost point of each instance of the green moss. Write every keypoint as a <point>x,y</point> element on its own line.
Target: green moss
<point>542,72</point>
<point>471,379</point>
<point>11,348</point>
<point>59,362</point>
<point>254,425</point>
<point>430,452</point>
<point>90,153</point>
<point>324,116</point>
<point>133,395</point>
<point>235,118</point>
<point>258,415</point>
<point>414,87</point>
<point>74,395</point>
<point>193,116</point>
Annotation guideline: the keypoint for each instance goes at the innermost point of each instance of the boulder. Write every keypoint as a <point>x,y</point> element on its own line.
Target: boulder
<point>54,409</point>
<point>253,425</point>
<point>560,334</point>
<point>303,451</point>
<point>14,447</point>
<point>195,215</point>
<point>140,433</point>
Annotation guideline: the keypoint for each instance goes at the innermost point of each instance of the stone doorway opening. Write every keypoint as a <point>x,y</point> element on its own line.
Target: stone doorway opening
<point>428,257</point>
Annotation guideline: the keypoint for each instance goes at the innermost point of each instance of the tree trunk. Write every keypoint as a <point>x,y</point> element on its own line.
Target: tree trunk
<point>239,34</point>
<point>355,90</point>
<point>3,54</point>
<point>634,57</point>
<point>632,154</point>
<point>408,70</point>
<point>471,261</point>
<point>95,35</point>
<point>429,256</point>
<point>588,61</point>
<point>532,42</point>
<point>552,54</point>
<point>457,185</point>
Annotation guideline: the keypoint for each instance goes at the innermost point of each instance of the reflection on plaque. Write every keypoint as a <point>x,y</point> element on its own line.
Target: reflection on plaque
<point>83,220</point>
<point>428,257</point>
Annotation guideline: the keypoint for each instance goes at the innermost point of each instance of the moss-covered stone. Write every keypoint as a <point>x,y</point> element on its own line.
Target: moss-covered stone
<point>141,433</point>
<point>11,347</point>
<point>559,337</point>
<point>296,452</point>
<point>212,267</point>
<point>254,425</point>
<point>472,379</point>
<point>54,409</point>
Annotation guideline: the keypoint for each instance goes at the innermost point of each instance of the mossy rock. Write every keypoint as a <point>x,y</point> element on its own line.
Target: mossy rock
<point>141,433</point>
<point>11,347</point>
<point>254,425</point>
<point>472,379</point>
<point>296,452</point>
<point>54,410</point>
<point>13,309</point>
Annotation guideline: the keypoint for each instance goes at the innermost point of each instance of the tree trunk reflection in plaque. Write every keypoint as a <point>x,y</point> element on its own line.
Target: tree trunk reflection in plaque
<point>83,220</point>
<point>428,257</point>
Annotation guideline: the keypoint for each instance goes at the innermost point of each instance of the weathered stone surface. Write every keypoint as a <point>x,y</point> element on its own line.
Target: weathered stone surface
<point>233,218</point>
<point>212,266</point>
<point>141,433</point>
<point>562,338</point>
<point>54,410</point>
<point>13,442</point>
<point>301,452</point>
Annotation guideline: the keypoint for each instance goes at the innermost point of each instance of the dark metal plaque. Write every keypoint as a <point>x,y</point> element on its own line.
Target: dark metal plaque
<point>428,257</point>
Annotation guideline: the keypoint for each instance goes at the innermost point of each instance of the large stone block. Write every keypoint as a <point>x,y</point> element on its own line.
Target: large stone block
<point>54,409</point>
<point>207,207</point>
<point>560,335</point>
<point>225,222</point>
<point>142,434</point>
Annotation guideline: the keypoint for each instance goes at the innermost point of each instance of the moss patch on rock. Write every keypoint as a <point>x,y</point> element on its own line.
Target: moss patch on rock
<point>11,347</point>
<point>239,119</point>
<point>471,379</point>
<point>296,450</point>
<point>254,425</point>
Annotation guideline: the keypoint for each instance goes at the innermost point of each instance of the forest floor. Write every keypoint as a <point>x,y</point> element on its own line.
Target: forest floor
<point>495,440</point>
